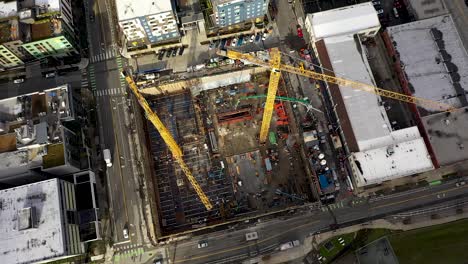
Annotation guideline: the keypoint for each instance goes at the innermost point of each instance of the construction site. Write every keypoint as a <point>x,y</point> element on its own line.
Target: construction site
<point>218,130</point>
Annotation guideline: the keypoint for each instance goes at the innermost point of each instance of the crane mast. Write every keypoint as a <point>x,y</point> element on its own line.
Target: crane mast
<point>169,140</point>
<point>275,76</point>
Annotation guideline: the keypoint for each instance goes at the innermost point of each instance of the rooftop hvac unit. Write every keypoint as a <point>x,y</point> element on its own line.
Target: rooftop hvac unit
<point>26,218</point>
<point>390,150</point>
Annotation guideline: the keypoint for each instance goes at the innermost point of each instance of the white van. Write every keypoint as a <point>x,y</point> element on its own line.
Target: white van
<point>395,12</point>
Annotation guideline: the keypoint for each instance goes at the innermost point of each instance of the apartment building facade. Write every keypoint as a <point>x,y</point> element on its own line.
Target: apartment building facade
<point>34,30</point>
<point>230,12</point>
<point>147,22</point>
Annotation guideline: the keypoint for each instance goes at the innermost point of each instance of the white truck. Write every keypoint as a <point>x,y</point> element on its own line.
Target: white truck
<point>107,157</point>
<point>289,245</point>
<point>251,236</point>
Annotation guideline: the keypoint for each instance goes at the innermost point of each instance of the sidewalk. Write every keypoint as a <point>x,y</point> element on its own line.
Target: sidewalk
<point>300,252</point>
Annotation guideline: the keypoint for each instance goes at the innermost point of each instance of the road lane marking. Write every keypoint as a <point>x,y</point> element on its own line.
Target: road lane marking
<point>246,245</point>
<point>419,197</point>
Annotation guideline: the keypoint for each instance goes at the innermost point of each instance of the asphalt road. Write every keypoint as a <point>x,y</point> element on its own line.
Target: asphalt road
<point>38,83</point>
<point>232,246</point>
<point>114,122</point>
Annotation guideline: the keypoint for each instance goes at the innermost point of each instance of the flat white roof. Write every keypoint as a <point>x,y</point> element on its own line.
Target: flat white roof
<point>52,5</point>
<point>343,21</point>
<point>426,9</point>
<point>43,241</point>
<point>407,155</point>
<point>448,135</point>
<point>129,9</point>
<point>423,62</point>
<point>367,117</point>
<point>8,9</point>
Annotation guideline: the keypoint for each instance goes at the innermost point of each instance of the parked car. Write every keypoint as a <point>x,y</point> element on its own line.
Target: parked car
<point>257,37</point>
<point>174,52</point>
<point>161,54</point>
<point>168,53</point>
<point>181,50</point>
<point>265,35</point>
<point>234,42</point>
<point>222,45</point>
<point>125,233</point>
<point>376,3</point>
<point>458,184</point>
<point>228,42</point>
<point>252,38</point>
<point>19,80</point>
<point>299,32</point>
<point>395,12</point>
<point>240,41</point>
<point>380,12</point>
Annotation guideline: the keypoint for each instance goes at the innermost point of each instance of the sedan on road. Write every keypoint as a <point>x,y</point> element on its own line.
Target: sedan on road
<point>202,244</point>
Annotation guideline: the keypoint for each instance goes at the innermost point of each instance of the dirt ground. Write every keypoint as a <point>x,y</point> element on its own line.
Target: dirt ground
<point>280,186</point>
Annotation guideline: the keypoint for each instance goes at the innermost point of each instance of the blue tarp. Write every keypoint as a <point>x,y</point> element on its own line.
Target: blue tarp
<point>323,181</point>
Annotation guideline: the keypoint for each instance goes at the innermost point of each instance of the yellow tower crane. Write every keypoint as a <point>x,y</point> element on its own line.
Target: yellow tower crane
<point>168,139</point>
<point>276,67</point>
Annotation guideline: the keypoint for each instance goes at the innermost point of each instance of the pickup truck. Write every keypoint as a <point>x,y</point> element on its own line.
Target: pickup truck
<point>289,245</point>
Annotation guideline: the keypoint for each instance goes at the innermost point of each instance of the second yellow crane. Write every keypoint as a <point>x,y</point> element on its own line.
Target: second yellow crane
<point>276,66</point>
<point>169,140</point>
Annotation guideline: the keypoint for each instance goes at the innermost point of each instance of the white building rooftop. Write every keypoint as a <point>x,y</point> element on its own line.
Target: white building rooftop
<point>406,155</point>
<point>367,117</point>
<point>31,228</point>
<point>52,5</point>
<point>448,135</point>
<point>343,21</point>
<point>129,9</point>
<point>28,124</point>
<point>425,9</point>
<point>8,9</point>
<point>439,51</point>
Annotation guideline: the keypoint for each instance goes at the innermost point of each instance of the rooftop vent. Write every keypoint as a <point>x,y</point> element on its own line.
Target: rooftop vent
<point>390,150</point>
<point>26,218</point>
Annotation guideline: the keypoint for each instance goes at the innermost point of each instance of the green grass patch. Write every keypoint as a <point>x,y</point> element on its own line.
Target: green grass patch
<point>375,234</point>
<point>331,248</point>
<point>447,243</point>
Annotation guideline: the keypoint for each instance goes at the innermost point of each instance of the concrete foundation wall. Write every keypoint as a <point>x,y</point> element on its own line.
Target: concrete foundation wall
<point>197,85</point>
